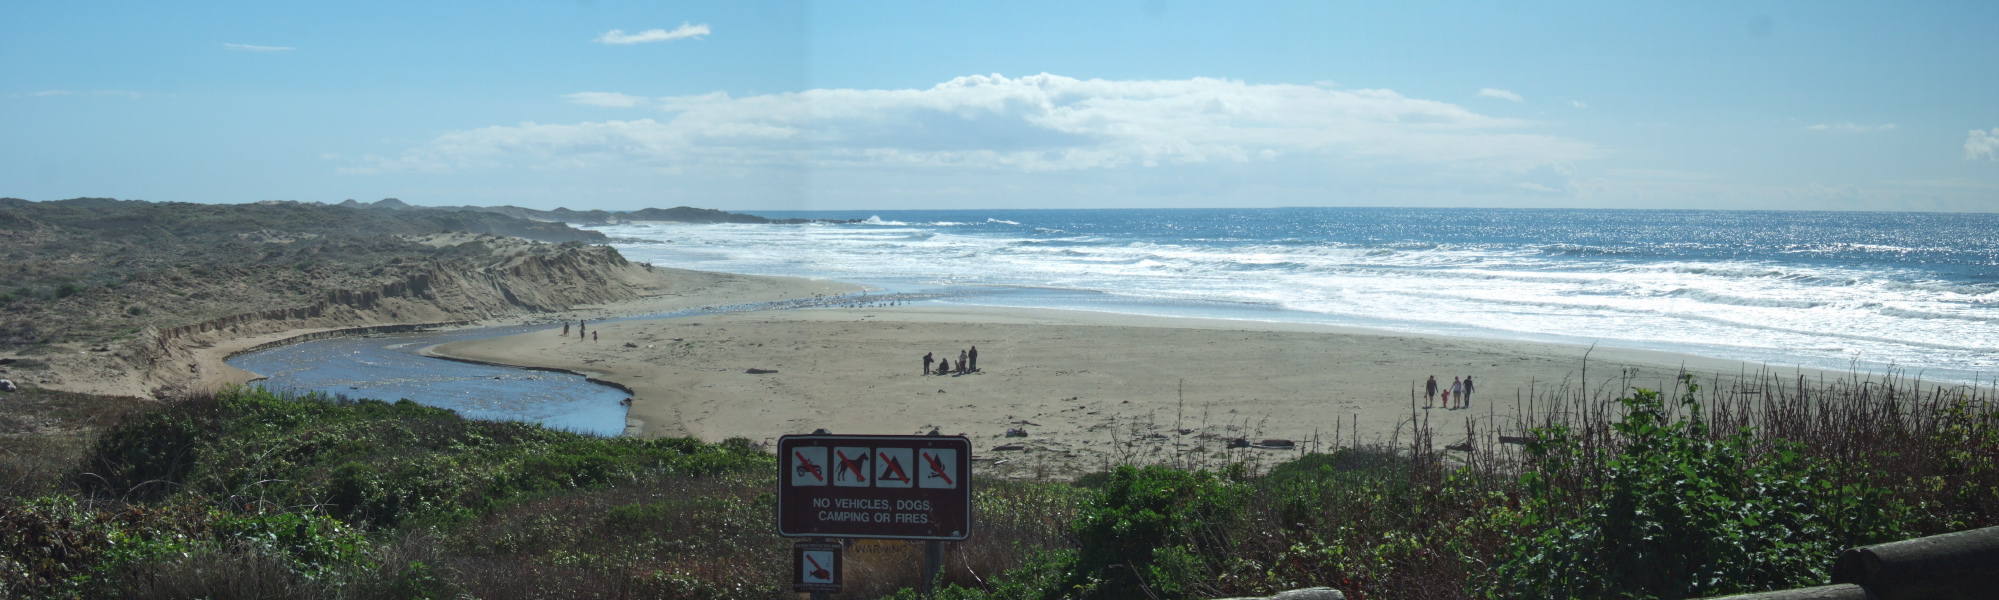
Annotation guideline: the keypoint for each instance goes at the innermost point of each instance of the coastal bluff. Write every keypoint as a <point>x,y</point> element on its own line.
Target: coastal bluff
<point>136,298</point>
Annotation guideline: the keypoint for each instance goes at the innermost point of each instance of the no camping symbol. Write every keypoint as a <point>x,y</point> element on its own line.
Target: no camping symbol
<point>893,468</point>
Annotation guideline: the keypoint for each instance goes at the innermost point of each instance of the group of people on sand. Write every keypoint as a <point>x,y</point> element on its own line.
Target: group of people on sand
<point>968,363</point>
<point>582,330</point>
<point>1460,388</point>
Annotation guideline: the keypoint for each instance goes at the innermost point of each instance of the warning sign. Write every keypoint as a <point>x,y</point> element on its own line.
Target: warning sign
<point>886,486</point>
<point>816,568</point>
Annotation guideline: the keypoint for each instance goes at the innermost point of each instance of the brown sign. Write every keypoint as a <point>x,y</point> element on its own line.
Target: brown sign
<point>816,568</point>
<point>910,487</point>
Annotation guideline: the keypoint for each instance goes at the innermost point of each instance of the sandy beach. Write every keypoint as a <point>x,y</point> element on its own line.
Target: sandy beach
<point>1089,388</point>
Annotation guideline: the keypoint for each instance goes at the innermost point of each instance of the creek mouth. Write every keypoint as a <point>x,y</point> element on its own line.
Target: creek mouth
<point>389,367</point>
<point>392,367</point>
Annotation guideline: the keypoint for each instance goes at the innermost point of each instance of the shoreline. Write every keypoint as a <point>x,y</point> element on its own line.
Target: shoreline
<point>1089,388</point>
<point>705,289</point>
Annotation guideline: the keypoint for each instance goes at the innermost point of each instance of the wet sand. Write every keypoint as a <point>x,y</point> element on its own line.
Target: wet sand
<point>1088,388</point>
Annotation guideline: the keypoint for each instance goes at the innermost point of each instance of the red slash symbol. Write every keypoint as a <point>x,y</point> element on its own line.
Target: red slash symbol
<point>818,572</point>
<point>806,466</point>
<point>937,468</point>
<point>848,463</point>
<point>894,470</point>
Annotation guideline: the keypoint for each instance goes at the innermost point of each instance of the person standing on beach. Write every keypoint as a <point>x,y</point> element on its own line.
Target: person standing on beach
<point>926,362</point>
<point>1430,392</point>
<point>565,329</point>
<point>975,360</point>
<point>1466,396</point>
<point>963,365</point>
<point>1457,389</point>
<point>593,337</point>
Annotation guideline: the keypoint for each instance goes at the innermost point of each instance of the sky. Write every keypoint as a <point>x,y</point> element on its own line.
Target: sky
<point>619,104</point>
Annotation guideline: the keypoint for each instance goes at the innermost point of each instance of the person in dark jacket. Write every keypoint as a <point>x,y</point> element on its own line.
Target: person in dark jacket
<point>926,362</point>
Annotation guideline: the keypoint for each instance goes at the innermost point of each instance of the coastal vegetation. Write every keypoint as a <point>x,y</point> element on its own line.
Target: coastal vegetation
<point>1713,487</point>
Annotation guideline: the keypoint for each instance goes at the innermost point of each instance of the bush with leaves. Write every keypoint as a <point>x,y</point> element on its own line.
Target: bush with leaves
<point>1681,513</point>
<point>1152,532</point>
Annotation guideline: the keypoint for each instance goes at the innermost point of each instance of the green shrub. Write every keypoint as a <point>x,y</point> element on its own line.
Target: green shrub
<point>1682,514</point>
<point>372,462</point>
<point>1152,532</point>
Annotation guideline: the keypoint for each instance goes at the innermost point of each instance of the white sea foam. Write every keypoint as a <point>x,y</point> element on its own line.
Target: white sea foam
<point>1818,313</point>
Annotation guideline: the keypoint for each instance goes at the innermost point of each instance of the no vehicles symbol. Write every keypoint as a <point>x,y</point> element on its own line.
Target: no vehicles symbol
<point>809,467</point>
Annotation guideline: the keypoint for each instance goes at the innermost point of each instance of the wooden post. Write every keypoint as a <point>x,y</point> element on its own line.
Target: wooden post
<point>933,554</point>
<point>933,563</point>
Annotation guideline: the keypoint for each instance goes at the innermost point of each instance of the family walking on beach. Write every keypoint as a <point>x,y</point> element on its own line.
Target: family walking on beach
<point>581,325</point>
<point>968,363</point>
<point>1461,388</point>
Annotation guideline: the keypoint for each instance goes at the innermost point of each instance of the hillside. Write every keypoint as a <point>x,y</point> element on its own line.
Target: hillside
<point>110,296</point>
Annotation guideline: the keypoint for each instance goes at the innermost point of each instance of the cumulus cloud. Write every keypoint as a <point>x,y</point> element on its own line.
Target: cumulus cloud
<point>1035,123</point>
<point>1852,128</point>
<point>1982,144</point>
<point>685,30</point>
<point>606,99</point>
<point>1500,94</point>
<point>255,48</point>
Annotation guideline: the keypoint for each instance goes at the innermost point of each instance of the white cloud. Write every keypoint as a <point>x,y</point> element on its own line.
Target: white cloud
<point>253,48</point>
<point>1982,144</point>
<point>685,30</point>
<point>1500,94</point>
<point>1852,128</point>
<point>1578,104</point>
<point>1035,123</point>
<point>606,99</point>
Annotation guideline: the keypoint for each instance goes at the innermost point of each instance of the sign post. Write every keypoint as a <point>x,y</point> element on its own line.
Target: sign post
<point>906,487</point>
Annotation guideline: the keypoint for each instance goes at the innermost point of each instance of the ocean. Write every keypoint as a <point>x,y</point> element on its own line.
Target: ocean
<point>1835,290</point>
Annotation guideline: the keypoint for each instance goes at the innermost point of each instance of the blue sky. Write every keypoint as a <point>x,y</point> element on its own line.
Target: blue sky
<point>786,105</point>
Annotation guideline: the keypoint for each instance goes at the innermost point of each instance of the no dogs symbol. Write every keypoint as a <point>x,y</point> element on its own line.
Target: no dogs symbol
<point>850,466</point>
